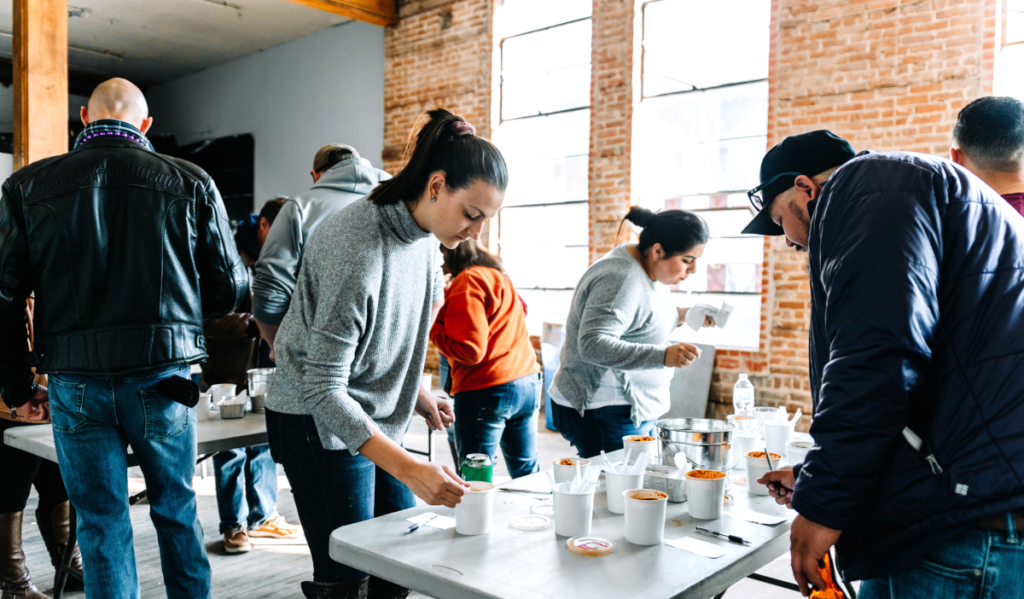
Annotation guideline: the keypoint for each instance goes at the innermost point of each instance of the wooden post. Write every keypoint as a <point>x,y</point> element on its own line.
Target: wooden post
<point>377,12</point>
<point>40,80</point>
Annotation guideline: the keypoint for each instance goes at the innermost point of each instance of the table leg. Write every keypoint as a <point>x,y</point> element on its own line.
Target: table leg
<point>69,552</point>
<point>455,458</point>
<point>430,445</point>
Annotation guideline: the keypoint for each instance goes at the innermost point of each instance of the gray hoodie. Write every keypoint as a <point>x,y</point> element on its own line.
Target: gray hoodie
<point>278,266</point>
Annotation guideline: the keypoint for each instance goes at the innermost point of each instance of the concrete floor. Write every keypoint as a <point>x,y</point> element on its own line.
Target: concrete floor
<point>274,568</point>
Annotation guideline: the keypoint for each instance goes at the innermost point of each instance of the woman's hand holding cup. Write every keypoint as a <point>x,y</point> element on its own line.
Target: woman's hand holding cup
<point>681,354</point>
<point>436,484</point>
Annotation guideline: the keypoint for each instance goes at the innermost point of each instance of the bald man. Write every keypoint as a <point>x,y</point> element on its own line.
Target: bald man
<point>127,252</point>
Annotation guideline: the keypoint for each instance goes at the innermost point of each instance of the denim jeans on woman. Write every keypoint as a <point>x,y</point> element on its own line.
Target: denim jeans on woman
<point>503,415</point>
<point>976,564</point>
<point>246,481</point>
<point>601,428</point>
<point>332,488</point>
<point>94,419</point>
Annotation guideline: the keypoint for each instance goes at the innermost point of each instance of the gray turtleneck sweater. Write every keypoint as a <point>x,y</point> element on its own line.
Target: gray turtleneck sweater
<point>354,340</point>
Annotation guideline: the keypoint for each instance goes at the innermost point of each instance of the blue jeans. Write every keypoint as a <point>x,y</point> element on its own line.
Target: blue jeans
<point>598,429</point>
<point>332,488</point>
<point>94,419</point>
<point>246,487</point>
<point>505,414</point>
<point>975,564</point>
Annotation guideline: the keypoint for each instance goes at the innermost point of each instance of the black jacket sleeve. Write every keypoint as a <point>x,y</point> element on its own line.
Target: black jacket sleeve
<point>223,282</point>
<point>17,383</point>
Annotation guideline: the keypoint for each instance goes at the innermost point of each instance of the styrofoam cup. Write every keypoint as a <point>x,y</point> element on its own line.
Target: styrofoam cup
<point>757,467</point>
<point>706,495</point>
<point>219,392</point>
<point>776,434</point>
<point>639,447</point>
<point>565,473</point>
<point>203,407</point>
<point>645,516</point>
<point>474,515</point>
<point>573,511</point>
<point>616,484</point>
<point>744,445</point>
<point>797,451</point>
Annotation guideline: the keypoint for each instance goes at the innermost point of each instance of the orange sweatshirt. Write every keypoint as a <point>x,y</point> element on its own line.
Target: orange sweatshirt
<point>481,329</point>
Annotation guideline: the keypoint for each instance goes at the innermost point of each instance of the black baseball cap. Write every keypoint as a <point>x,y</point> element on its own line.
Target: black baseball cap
<point>804,154</point>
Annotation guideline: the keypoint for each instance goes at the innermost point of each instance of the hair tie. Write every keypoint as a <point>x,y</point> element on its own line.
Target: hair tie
<point>461,129</point>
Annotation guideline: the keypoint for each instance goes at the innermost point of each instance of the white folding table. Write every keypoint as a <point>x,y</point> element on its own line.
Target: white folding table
<point>514,564</point>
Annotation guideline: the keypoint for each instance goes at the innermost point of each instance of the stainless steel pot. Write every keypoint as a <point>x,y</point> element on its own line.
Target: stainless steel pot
<point>689,443</point>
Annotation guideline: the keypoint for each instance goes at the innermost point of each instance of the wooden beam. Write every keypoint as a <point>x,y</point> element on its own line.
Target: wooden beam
<point>377,12</point>
<point>40,80</point>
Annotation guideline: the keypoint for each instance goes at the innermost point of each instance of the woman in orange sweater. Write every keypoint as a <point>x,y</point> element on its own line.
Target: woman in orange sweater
<point>495,377</point>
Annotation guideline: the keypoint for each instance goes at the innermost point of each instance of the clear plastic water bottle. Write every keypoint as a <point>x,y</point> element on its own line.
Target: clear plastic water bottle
<point>743,396</point>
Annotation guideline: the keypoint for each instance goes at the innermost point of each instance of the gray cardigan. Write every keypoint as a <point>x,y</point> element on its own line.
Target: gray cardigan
<point>620,320</point>
<point>278,266</point>
<point>352,346</point>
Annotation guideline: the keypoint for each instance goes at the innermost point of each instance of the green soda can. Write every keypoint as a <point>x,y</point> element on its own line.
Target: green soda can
<point>477,466</point>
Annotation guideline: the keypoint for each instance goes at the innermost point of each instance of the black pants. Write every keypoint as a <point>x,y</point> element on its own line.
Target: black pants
<point>22,470</point>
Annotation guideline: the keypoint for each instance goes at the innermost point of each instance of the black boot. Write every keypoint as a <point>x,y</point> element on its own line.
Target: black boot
<point>15,583</point>
<point>55,528</point>
<point>353,589</point>
<point>382,589</point>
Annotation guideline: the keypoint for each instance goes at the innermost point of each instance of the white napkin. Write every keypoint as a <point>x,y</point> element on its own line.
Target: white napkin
<point>699,547</point>
<point>756,517</point>
<point>695,315</point>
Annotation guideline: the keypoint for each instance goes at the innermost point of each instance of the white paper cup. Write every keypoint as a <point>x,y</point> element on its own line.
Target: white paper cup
<point>705,495</point>
<point>638,447</point>
<point>203,407</point>
<point>573,511</point>
<point>645,516</point>
<point>565,473</point>
<point>219,392</point>
<point>797,451</point>
<point>427,382</point>
<point>766,414</point>
<point>741,446</point>
<point>616,484</point>
<point>776,434</point>
<point>474,515</point>
<point>757,467</point>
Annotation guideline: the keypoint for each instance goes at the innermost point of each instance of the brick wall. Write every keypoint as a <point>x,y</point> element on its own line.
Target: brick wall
<point>885,74</point>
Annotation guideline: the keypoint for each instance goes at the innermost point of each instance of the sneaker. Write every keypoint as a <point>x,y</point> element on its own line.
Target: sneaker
<point>277,528</point>
<point>237,541</point>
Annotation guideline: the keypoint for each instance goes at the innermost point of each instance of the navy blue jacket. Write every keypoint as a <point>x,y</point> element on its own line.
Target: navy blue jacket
<point>917,319</point>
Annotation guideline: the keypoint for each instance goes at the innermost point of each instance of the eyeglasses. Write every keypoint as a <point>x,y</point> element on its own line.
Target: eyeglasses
<point>754,195</point>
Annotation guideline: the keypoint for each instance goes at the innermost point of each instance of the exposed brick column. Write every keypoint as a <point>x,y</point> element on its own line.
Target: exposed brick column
<point>611,120</point>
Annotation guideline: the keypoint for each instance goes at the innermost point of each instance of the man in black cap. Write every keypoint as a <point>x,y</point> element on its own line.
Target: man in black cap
<point>917,300</point>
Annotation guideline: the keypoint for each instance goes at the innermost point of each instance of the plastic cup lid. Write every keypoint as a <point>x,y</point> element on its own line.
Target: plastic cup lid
<point>590,545</point>
<point>543,509</point>
<point>530,522</point>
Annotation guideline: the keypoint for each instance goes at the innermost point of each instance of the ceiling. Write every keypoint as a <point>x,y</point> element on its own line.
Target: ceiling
<point>152,41</point>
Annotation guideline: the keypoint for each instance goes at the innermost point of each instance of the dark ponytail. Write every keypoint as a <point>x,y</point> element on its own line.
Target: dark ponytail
<point>449,144</point>
<point>467,254</point>
<point>676,230</point>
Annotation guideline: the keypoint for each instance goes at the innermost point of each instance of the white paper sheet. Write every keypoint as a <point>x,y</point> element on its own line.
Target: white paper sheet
<point>700,547</point>
<point>756,517</point>
<point>440,522</point>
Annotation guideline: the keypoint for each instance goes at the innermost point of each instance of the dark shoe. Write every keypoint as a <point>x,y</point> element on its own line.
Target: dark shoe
<point>382,589</point>
<point>352,589</point>
<point>55,528</point>
<point>14,579</point>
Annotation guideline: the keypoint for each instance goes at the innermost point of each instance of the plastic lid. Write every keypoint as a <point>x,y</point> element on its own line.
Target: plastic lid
<point>530,522</point>
<point>590,545</point>
<point>543,509</point>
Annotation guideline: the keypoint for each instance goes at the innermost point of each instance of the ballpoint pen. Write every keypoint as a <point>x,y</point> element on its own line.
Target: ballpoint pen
<point>773,484</point>
<point>720,535</point>
<point>528,491</point>
<point>415,527</point>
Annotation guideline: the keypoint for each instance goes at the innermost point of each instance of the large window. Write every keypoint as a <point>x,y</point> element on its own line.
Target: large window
<point>544,134</point>
<point>699,134</point>
<point>1010,62</point>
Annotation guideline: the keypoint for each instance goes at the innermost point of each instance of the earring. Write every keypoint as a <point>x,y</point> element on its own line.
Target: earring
<point>433,199</point>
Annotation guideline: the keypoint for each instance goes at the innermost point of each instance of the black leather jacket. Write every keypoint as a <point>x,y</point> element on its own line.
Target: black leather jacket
<point>127,251</point>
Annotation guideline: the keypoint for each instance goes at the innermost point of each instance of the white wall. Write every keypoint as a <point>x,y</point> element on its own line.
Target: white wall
<point>295,98</point>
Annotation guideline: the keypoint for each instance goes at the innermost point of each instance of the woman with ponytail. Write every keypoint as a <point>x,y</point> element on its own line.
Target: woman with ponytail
<point>616,362</point>
<point>353,343</point>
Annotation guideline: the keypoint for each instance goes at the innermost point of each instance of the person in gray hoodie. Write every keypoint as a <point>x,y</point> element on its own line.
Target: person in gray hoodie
<point>340,176</point>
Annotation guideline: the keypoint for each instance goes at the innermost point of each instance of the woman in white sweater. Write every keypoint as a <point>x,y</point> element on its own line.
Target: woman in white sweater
<point>616,362</point>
